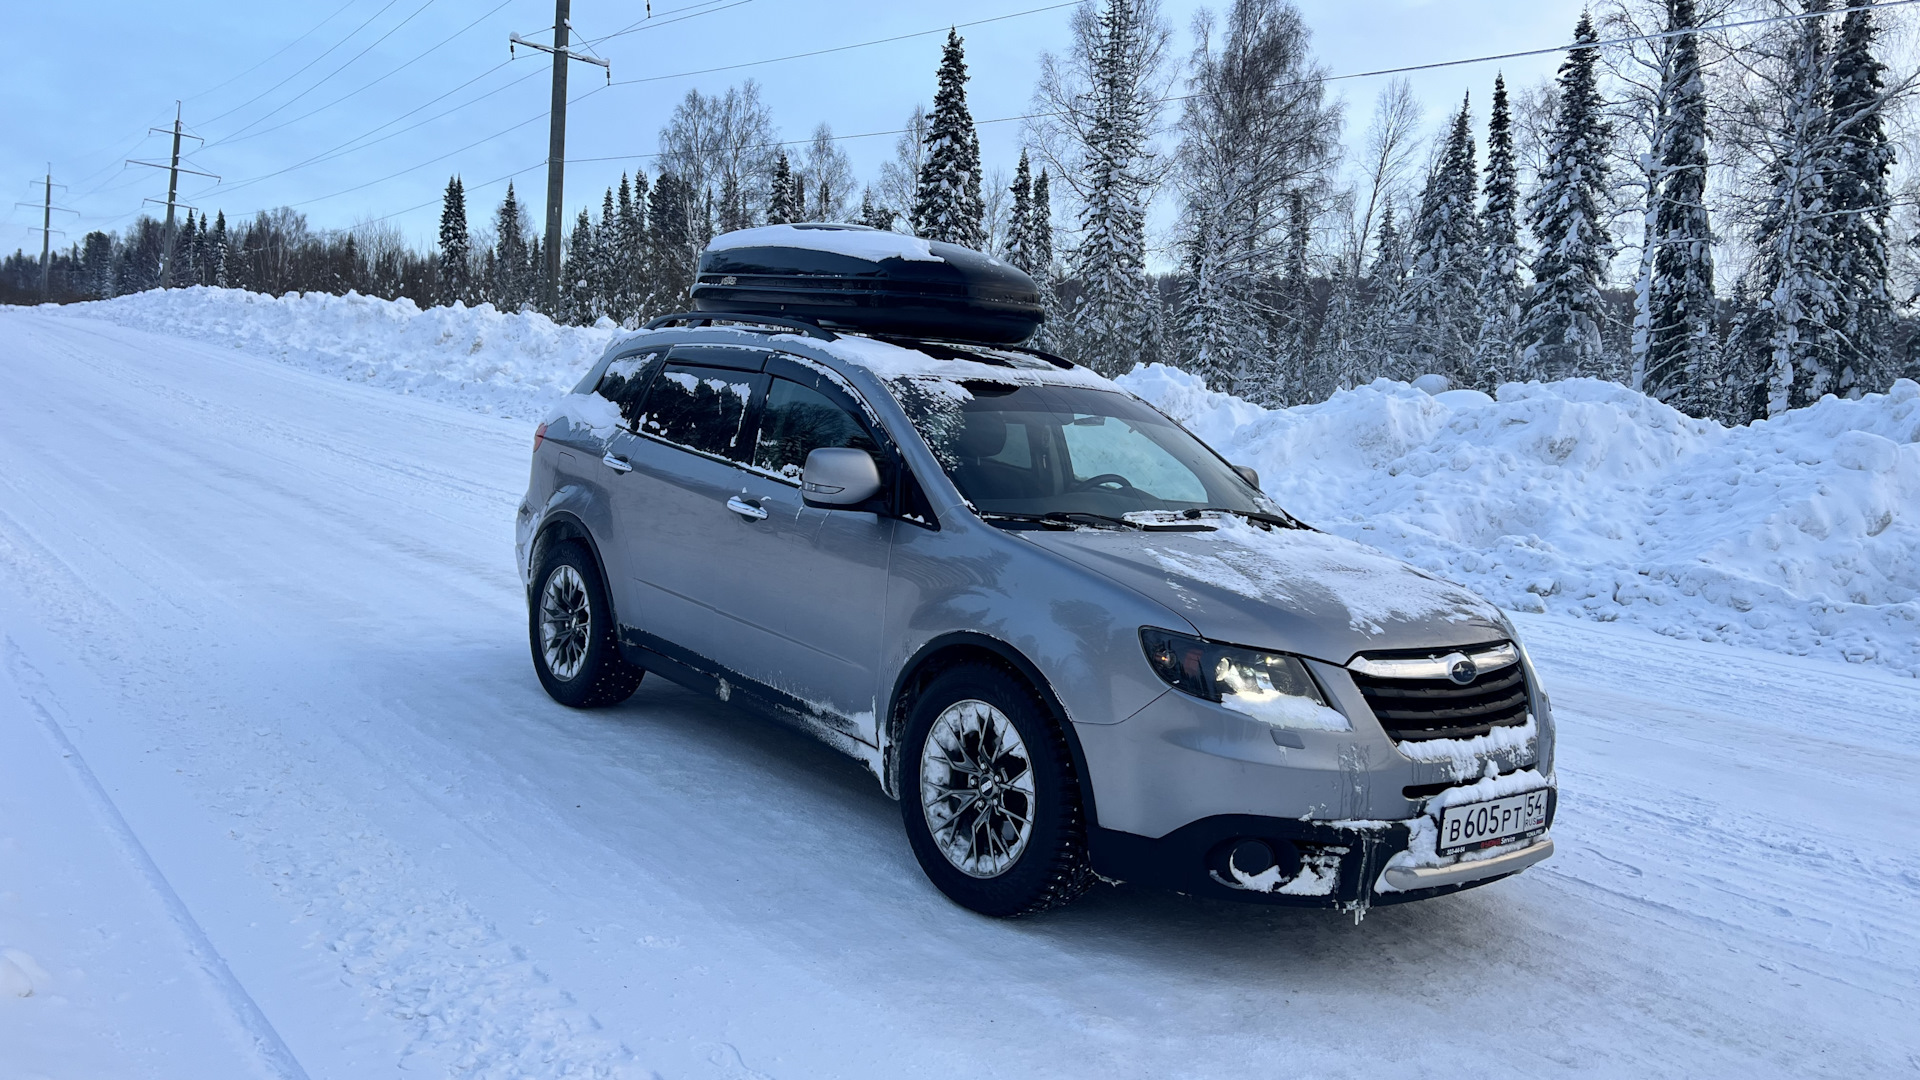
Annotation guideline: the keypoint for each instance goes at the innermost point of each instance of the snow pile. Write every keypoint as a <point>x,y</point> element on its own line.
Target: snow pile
<point>507,363</point>
<point>1799,534</point>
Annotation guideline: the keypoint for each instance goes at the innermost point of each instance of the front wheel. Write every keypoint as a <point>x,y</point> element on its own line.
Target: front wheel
<point>570,626</point>
<point>988,795</point>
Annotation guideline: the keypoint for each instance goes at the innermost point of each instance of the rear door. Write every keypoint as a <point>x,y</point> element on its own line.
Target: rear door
<point>692,434</point>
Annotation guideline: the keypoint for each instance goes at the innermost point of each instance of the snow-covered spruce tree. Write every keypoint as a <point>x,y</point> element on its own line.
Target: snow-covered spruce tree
<point>220,242</point>
<point>1099,106</point>
<point>602,279</point>
<point>1861,200</point>
<point>576,293</point>
<point>1794,236</point>
<point>1020,217</point>
<point>781,211</point>
<point>947,204</point>
<point>1256,134</point>
<point>1495,355</point>
<point>456,255</point>
<point>1675,346</point>
<point>1383,350</point>
<point>872,214</point>
<point>673,243</point>
<point>1560,333</point>
<point>508,289</point>
<point>1443,315</point>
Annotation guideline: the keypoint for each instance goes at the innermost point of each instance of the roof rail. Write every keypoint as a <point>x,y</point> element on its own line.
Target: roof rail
<point>710,318</point>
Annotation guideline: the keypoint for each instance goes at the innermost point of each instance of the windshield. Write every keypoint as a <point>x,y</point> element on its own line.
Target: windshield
<point>1030,450</point>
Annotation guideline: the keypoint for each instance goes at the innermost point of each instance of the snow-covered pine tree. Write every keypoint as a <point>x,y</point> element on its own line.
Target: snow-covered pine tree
<point>509,284</point>
<point>1861,199</point>
<point>733,205</point>
<point>1561,328</point>
<point>1040,230</point>
<point>1495,356</point>
<point>780,210</point>
<point>1675,343</point>
<point>1443,315</point>
<point>603,280</point>
<point>1020,216</point>
<point>947,204</point>
<point>1794,236</point>
<point>456,255</point>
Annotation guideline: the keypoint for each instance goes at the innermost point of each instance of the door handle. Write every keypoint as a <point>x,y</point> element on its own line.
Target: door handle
<point>745,509</point>
<point>617,464</point>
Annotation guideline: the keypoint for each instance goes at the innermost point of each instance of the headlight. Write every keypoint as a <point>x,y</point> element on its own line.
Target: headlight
<point>1273,688</point>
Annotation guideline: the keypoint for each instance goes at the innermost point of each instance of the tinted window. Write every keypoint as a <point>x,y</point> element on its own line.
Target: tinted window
<point>700,408</point>
<point>799,420</point>
<point>625,382</point>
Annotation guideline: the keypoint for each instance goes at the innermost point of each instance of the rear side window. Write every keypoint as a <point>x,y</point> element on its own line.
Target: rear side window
<point>799,420</point>
<point>625,383</point>
<point>701,408</point>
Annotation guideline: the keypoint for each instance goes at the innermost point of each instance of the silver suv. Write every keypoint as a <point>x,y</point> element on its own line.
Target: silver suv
<point>1067,636</point>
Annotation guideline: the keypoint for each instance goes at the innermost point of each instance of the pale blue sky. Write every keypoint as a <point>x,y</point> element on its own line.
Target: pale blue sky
<point>99,73</point>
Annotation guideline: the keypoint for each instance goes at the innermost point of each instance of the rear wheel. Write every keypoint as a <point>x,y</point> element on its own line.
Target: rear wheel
<point>570,627</point>
<point>988,795</point>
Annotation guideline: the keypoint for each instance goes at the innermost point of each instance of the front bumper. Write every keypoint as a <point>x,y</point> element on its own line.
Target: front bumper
<point>1348,865</point>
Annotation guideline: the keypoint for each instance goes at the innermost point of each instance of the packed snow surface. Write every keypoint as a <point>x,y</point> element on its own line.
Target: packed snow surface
<point>1799,534</point>
<point>281,797</point>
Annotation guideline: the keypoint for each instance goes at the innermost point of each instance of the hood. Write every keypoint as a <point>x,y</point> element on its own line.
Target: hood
<point>1292,590</point>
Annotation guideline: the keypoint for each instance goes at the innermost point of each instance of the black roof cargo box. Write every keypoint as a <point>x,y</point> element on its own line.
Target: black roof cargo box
<point>852,277</point>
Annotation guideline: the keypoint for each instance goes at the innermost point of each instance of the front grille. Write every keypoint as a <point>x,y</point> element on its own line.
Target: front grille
<point>1442,709</point>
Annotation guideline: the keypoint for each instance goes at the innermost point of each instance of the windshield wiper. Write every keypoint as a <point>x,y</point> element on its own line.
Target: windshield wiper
<point>1281,520</point>
<point>1061,519</point>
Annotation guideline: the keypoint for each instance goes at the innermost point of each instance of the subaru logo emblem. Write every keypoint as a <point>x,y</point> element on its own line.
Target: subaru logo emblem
<point>1461,669</point>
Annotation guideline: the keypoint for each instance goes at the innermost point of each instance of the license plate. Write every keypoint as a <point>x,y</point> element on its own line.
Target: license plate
<point>1495,821</point>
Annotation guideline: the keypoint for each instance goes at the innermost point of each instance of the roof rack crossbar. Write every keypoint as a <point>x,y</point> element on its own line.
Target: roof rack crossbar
<point>711,318</point>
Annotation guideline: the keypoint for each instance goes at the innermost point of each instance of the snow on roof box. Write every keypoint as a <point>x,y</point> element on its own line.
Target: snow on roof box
<point>855,278</point>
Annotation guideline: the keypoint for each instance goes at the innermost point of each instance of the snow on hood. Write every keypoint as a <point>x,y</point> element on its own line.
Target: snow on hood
<point>855,242</point>
<point>1288,589</point>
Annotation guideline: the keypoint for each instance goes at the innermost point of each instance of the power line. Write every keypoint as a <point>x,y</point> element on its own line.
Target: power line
<point>394,29</point>
<point>303,67</point>
<point>650,23</point>
<point>275,54</point>
<point>847,48</point>
<point>368,86</point>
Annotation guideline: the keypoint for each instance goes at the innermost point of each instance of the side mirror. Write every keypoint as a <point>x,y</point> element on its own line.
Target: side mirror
<point>839,476</point>
<point>1249,474</point>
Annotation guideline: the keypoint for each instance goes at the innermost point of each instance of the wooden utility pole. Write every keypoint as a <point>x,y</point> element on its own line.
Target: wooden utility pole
<point>557,142</point>
<point>46,233</point>
<point>173,189</point>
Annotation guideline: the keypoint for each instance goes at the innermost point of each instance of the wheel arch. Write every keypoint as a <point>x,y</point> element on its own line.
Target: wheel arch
<point>560,526</point>
<point>959,647</point>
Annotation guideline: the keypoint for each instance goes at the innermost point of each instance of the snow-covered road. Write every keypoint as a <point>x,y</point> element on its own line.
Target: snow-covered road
<point>279,795</point>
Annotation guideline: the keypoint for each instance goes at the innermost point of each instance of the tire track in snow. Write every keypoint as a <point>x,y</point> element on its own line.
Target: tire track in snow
<point>256,1029</point>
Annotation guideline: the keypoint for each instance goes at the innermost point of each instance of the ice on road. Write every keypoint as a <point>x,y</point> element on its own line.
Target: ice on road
<point>280,796</point>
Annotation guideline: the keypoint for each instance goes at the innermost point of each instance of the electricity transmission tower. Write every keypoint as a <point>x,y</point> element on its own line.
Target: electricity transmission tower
<point>173,189</point>
<point>47,230</point>
<point>557,141</point>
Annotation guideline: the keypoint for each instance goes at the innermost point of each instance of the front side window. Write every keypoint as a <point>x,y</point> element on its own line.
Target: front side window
<point>798,420</point>
<point>701,408</point>
<point>1026,450</point>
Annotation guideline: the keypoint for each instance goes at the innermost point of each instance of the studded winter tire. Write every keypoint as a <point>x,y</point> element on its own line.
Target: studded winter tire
<point>570,627</point>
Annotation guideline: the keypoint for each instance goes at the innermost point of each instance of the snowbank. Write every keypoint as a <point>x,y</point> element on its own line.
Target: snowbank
<point>1799,534</point>
<point>507,363</point>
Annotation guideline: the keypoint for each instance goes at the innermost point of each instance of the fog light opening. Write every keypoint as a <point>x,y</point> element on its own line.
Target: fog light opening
<point>1255,863</point>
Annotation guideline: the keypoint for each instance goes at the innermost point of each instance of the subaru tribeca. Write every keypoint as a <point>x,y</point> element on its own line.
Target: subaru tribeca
<point>1071,640</point>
